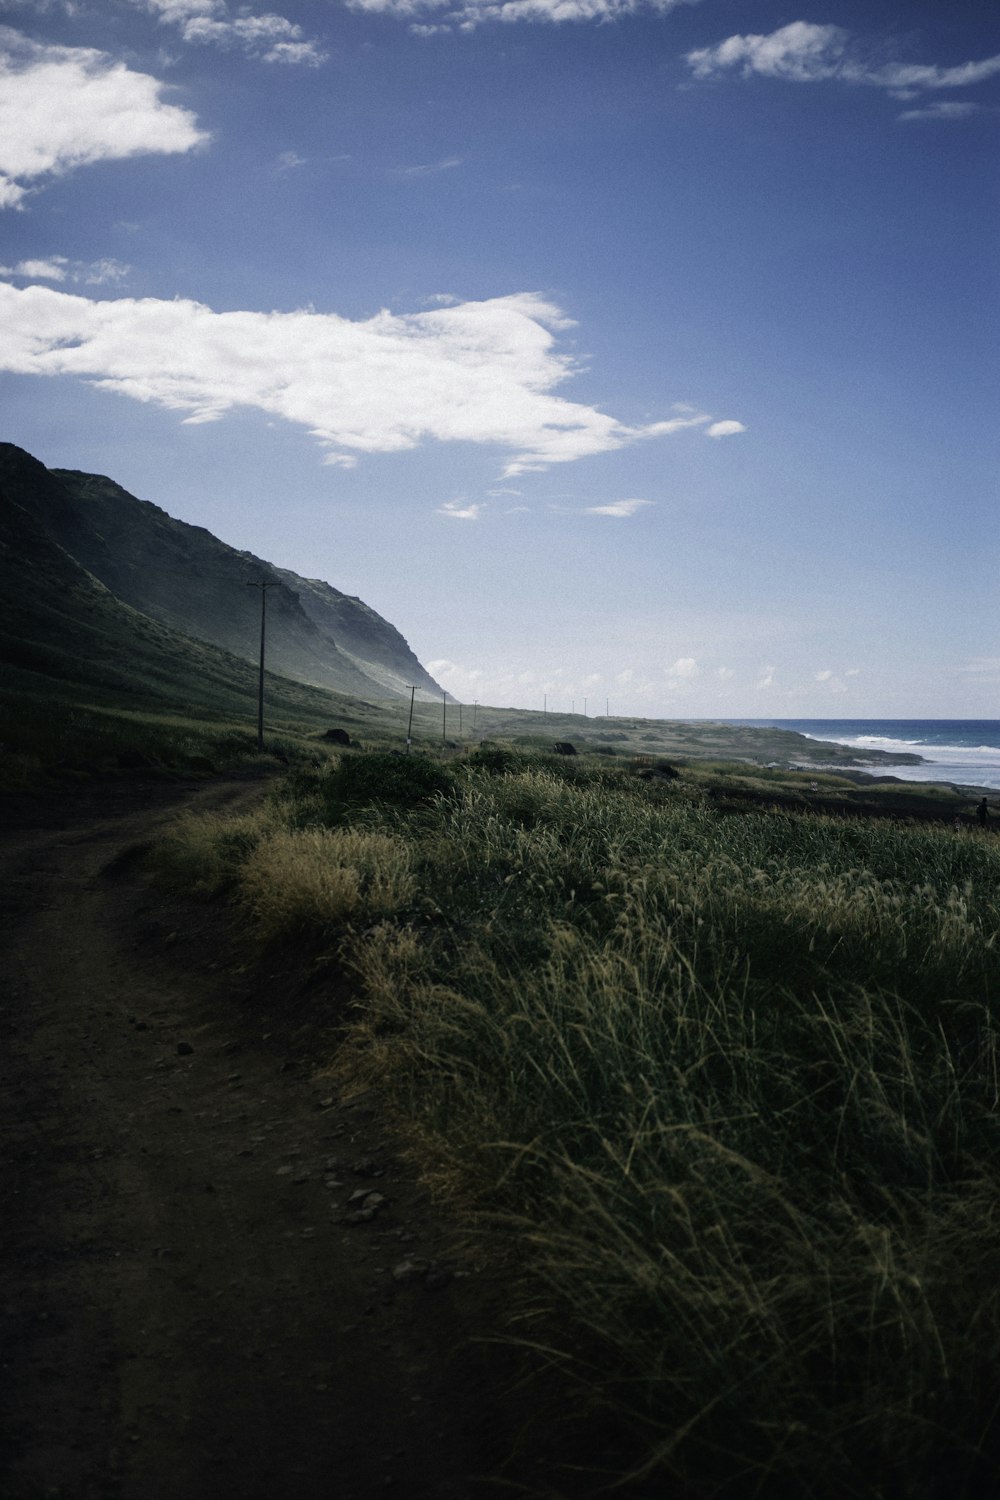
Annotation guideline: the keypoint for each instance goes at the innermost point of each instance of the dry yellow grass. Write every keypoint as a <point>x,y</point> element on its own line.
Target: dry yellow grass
<point>319,877</point>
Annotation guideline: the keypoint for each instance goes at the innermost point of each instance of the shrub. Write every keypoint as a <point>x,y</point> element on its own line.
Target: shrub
<point>398,780</point>
<point>497,760</point>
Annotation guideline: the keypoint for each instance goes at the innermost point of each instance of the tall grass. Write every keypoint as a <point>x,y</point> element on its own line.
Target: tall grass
<point>731,1086</point>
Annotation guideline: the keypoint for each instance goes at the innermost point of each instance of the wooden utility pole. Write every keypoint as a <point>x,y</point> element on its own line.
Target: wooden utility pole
<point>410,724</point>
<point>444,718</point>
<point>263,584</point>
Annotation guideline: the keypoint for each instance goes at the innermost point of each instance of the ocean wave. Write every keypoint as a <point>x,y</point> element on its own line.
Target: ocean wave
<point>930,749</point>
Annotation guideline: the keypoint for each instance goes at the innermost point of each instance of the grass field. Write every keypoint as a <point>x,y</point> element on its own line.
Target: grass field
<point>718,1083</point>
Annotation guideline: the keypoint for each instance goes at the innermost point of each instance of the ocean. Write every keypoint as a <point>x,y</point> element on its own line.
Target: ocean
<point>965,751</point>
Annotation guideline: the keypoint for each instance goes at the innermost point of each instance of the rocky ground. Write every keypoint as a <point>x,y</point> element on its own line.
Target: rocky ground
<point>217,1278</point>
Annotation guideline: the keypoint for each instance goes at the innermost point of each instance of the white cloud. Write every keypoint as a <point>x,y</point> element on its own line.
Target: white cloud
<point>725,674</point>
<point>683,669</point>
<point>269,38</point>
<point>429,169</point>
<point>804,52</point>
<point>100,272</point>
<point>53,269</point>
<point>462,511</point>
<point>835,683</point>
<point>943,109</point>
<point>801,52</point>
<point>61,268</point>
<point>66,107</point>
<point>480,372</point>
<point>767,680</point>
<point>617,508</point>
<point>724,429</point>
<point>465,15</point>
<point>445,668</point>
<point>901,76</point>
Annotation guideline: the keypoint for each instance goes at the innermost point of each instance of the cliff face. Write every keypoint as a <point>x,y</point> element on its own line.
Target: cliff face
<point>186,578</point>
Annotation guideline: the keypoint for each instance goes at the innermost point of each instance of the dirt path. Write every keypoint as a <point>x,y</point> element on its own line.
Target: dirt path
<point>187,1308</point>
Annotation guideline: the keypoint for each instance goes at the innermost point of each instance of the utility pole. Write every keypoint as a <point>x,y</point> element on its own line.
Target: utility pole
<point>607,708</point>
<point>410,724</point>
<point>584,708</point>
<point>460,721</point>
<point>263,584</point>
<point>545,705</point>
<point>444,719</point>
<point>475,714</point>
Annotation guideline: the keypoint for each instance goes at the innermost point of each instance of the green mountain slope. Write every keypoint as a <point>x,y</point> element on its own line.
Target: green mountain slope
<point>64,634</point>
<point>185,577</point>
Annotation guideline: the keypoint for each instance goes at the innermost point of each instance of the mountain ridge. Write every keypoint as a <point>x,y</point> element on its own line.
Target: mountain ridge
<point>184,577</point>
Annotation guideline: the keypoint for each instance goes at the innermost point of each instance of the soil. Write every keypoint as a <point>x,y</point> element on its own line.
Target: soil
<point>192,1303</point>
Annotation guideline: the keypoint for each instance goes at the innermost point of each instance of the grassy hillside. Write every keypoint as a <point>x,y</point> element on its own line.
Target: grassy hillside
<point>88,678</point>
<point>715,1085</point>
<point>187,578</point>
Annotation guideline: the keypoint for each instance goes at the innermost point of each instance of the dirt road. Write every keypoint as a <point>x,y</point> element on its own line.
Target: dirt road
<point>190,1304</point>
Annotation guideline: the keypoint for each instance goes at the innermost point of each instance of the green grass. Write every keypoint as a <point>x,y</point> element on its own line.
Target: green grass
<point>728,1085</point>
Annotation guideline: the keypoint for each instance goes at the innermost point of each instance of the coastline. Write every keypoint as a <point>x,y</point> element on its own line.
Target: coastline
<point>963,754</point>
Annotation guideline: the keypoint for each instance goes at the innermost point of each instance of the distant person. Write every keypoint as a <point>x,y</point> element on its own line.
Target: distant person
<point>983,813</point>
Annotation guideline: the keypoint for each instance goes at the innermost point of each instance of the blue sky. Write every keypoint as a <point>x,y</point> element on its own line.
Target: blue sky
<point>637,353</point>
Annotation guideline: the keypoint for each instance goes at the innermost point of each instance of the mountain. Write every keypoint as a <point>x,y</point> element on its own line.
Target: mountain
<point>184,578</point>
<point>65,636</point>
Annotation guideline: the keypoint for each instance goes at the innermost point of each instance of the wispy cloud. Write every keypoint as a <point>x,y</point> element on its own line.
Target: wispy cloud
<point>428,169</point>
<point>61,268</point>
<point>269,38</point>
<point>617,508</point>
<point>836,682</point>
<point>67,107</point>
<point>430,17</point>
<point>462,510</point>
<point>479,372</point>
<point>943,109</point>
<point>805,52</point>
<point>724,429</point>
